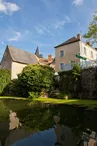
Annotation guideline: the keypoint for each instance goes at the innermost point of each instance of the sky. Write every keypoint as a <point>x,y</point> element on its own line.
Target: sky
<point>26,24</point>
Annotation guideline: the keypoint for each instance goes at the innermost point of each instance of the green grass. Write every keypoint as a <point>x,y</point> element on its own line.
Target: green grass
<point>10,97</point>
<point>19,102</point>
<point>86,103</point>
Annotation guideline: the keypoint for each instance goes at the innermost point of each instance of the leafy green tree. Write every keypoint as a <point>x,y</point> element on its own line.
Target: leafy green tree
<point>92,30</point>
<point>35,78</point>
<point>4,79</point>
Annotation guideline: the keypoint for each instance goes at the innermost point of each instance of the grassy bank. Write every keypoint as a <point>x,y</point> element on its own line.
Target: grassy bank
<point>18,102</point>
<point>86,103</point>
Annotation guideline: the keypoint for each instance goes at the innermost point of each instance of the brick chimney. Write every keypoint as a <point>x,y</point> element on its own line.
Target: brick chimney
<point>88,43</point>
<point>79,36</point>
<point>50,58</point>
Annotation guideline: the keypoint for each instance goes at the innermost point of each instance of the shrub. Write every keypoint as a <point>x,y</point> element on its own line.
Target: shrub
<point>13,89</point>
<point>33,95</point>
<point>76,72</point>
<point>57,94</point>
<point>5,78</point>
<point>35,78</point>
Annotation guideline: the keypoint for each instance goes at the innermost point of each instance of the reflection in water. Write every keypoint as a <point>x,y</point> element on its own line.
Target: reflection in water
<point>64,134</point>
<point>42,126</point>
<point>14,121</point>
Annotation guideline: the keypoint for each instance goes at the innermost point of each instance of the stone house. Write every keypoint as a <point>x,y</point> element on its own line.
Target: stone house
<point>16,59</point>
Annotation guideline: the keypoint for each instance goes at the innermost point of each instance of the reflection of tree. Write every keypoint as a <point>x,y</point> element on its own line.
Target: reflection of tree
<point>38,117</point>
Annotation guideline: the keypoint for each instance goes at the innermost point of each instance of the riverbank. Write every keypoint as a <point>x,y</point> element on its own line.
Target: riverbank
<point>19,102</point>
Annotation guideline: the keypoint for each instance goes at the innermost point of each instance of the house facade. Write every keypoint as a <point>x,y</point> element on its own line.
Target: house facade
<point>16,59</point>
<point>65,53</point>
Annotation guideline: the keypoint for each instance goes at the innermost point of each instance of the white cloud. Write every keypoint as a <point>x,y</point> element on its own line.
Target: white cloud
<point>17,36</point>
<point>78,2</point>
<point>2,43</point>
<point>40,44</point>
<point>61,23</point>
<point>40,30</point>
<point>43,30</point>
<point>8,7</point>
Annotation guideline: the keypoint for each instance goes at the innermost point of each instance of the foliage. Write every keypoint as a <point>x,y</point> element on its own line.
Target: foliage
<point>69,81</point>
<point>13,89</point>
<point>76,72</point>
<point>4,79</point>
<point>33,95</point>
<point>35,78</point>
<point>58,95</point>
<point>92,30</point>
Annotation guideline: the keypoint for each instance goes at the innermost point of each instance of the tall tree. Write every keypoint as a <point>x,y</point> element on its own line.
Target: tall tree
<point>92,30</point>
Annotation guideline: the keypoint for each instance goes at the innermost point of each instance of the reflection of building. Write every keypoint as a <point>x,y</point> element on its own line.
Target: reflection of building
<point>65,53</point>
<point>16,59</point>
<point>64,135</point>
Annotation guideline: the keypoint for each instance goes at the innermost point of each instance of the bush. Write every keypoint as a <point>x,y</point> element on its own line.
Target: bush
<point>33,95</point>
<point>35,78</point>
<point>13,89</point>
<point>58,95</point>
<point>5,78</point>
<point>76,72</point>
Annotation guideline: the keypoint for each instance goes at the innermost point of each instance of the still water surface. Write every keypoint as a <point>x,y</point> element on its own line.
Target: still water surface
<point>50,125</point>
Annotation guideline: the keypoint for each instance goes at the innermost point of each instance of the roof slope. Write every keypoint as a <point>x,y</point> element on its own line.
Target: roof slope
<point>71,40</point>
<point>45,61</point>
<point>22,56</point>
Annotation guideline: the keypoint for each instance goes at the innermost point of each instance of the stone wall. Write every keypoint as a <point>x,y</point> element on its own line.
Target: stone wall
<point>84,88</point>
<point>88,83</point>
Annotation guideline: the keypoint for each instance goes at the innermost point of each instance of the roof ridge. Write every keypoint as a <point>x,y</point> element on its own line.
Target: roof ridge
<point>69,41</point>
<point>19,55</point>
<point>19,49</point>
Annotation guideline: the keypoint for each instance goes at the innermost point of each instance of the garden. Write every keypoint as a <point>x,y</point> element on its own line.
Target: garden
<point>39,95</point>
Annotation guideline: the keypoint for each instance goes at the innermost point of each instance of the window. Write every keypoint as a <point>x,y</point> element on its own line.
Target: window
<point>85,51</point>
<point>61,53</point>
<point>96,56</point>
<point>61,66</point>
<point>91,54</point>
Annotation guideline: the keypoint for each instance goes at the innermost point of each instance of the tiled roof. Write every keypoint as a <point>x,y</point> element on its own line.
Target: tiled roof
<point>22,56</point>
<point>71,40</point>
<point>45,61</point>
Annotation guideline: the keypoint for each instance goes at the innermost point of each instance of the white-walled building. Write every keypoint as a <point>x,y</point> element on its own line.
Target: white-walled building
<point>65,53</point>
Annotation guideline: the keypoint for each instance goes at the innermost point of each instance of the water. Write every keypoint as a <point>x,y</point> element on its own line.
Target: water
<point>51,125</point>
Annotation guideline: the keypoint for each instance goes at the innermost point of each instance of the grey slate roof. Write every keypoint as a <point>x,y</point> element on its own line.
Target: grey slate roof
<point>22,56</point>
<point>71,40</point>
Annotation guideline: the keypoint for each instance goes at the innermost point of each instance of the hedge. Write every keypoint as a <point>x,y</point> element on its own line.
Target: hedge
<point>5,77</point>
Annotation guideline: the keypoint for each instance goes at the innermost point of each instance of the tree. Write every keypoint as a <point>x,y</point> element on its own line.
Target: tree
<point>34,78</point>
<point>92,29</point>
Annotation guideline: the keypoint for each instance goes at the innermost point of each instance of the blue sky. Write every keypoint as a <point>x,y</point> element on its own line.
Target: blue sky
<point>27,24</point>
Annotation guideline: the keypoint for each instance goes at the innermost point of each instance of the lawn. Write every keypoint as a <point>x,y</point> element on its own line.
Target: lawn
<point>23,102</point>
<point>86,103</point>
